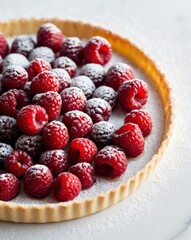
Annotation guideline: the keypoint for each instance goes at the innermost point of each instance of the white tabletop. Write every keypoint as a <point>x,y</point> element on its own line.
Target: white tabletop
<point>161,208</point>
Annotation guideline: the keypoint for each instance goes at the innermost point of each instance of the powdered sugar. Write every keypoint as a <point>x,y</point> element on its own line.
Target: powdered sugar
<point>15,59</point>
<point>42,52</point>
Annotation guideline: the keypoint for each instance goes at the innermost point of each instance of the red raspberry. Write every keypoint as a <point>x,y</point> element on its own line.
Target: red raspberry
<point>73,98</point>
<point>9,185</point>
<point>78,123</point>
<point>55,135</point>
<point>51,102</point>
<point>55,160</point>
<point>38,181</point>
<point>12,101</point>
<point>82,150</point>
<point>133,94</point>
<point>106,93</point>
<point>44,82</point>
<point>42,52</point>
<point>49,35</point>
<point>5,151</point>
<point>1,64</point>
<point>4,47</point>
<point>118,74</point>
<point>32,119</point>
<point>66,64</point>
<point>130,139</point>
<point>97,50</point>
<point>66,186</point>
<point>14,77</point>
<point>15,59</point>
<point>63,77</point>
<point>110,162</point>
<point>18,162</point>
<point>98,109</point>
<point>85,172</point>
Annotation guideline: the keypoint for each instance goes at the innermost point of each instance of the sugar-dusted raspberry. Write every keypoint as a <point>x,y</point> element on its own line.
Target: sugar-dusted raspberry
<point>44,82</point>
<point>78,123</point>
<point>73,98</point>
<point>142,118</point>
<point>32,119</point>
<point>118,74</point>
<point>55,135</point>
<point>63,77</point>
<point>51,102</point>
<point>5,151</point>
<point>15,59</point>
<point>85,84</point>
<point>4,47</point>
<point>12,101</point>
<point>42,52</point>
<point>85,172</point>
<point>106,93</point>
<point>27,88</point>
<point>66,64</point>
<point>130,139</point>
<point>49,35</point>
<point>72,47</point>
<point>98,109</point>
<point>1,64</point>
<point>55,160</point>
<point>9,185</point>
<point>14,77</point>
<point>66,186</point>
<point>82,150</point>
<point>133,94</point>
<point>38,181</point>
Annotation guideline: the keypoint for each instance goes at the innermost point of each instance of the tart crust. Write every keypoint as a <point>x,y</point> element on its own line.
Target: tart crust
<point>55,212</point>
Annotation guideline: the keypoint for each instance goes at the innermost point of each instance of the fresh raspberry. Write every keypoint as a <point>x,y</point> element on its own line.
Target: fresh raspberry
<point>106,93</point>
<point>9,185</point>
<point>66,64</point>
<point>44,82</point>
<point>66,186</point>
<point>130,139</point>
<point>72,47</point>
<point>18,162</point>
<point>4,47</point>
<point>51,102</point>
<point>15,59</point>
<point>118,74</point>
<point>5,151</point>
<point>32,119</point>
<point>1,64</point>
<point>49,35</point>
<point>55,160</point>
<point>63,77</point>
<point>142,119</point>
<point>85,84</point>
<point>97,50</point>
<point>12,101</point>
<point>110,162</point>
<point>78,123</point>
<point>42,52</point>
<point>85,172</point>
<point>38,181</point>
<point>98,109</point>
<point>82,150</point>
<point>55,135</point>
<point>14,77</point>
<point>73,98</point>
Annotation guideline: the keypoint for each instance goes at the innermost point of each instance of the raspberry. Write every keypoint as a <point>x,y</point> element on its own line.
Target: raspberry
<point>72,48</point>
<point>51,102</point>
<point>78,123</point>
<point>55,135</point>
<point>38,181</point>
<point>15,59</point>
<point>63,77</point>
<point>66,64</point>
<point>66,186</point>
<point>142,119</point>
<point>82,150</point>
<point>14,77</point>
<point>1,64</point>
<point>44,82</point>
<point>97,50</point>
<point>85,172</point>
<point>4,47</point>
<point>130,139</point>
<point>32,119</point>
<point>18,162</point>
<point>133,94</point>
<point>118,74</point>
<point>98,109</point>
<point>5,151</point>
<point>106,93</point>
<point>12,101</point>
<point>73,98</point>
<point>55,160</point>
<point>42,52</point>
<point>49,35</point>
<point>27,88</point>
<point>9,185</point>
<point>85,84</point>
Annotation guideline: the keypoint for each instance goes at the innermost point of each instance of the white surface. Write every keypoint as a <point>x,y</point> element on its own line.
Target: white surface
<point>161,208</point>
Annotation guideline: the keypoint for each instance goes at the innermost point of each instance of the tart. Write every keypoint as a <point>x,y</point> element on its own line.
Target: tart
<point>23,209</point>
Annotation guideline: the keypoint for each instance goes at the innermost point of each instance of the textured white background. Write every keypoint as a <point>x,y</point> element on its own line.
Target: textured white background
<point>161,209</point>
